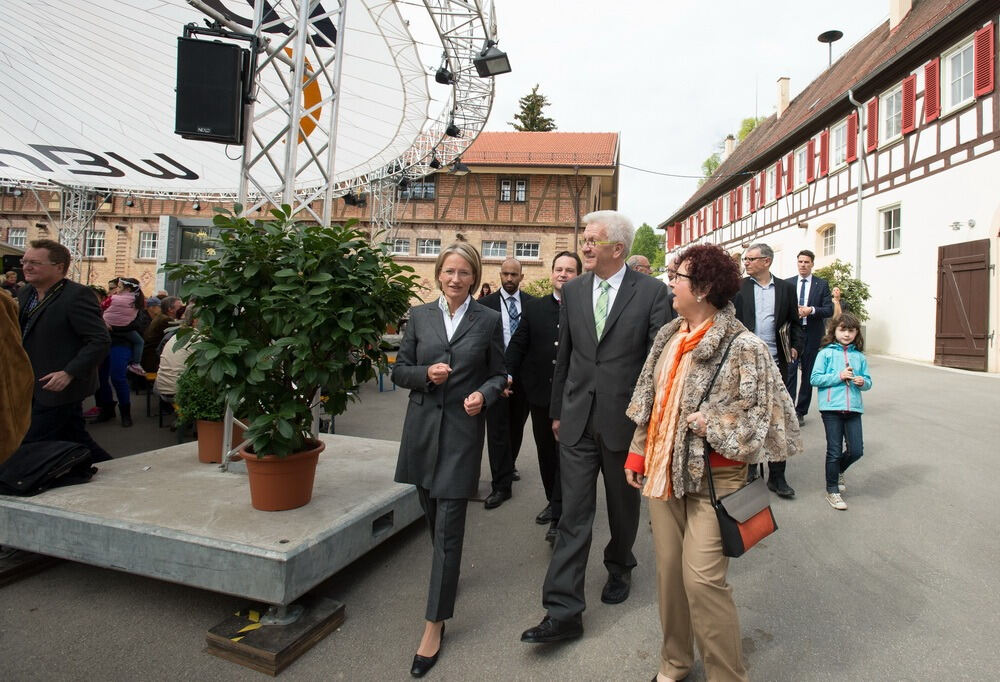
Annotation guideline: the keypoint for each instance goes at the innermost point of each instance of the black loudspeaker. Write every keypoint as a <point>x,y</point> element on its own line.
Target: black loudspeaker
<point>210,85</point>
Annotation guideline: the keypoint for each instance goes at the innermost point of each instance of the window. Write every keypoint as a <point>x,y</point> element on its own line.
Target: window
<point>420,190</point>
<point>958,76</point>
<point>520,189</point>
<point>771,180</point>
<point>494,249</point>
<point>95,244</point>
<point>840,144</point>
<point>513,190</point>
<point>400,247</point>
<point>505,190</point>
<point>890,114</point>
<point>526,250</point>
<point>428,247</point>
<point>725,210</point>
<point>746,199</point>
<point>889,229</point>
<point>147,245</point>
<point>830,241</point>
<point>18,237</point>
<point>801,166</point>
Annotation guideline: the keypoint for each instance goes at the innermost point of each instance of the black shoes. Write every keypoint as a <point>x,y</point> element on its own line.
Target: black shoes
<point>802,419</point>
<point>780,488</point>
<point>106,414</point>
<point>550,534</point>
<point>617,588</point>
<point>422,664</point>
<point>516,475</point>
<point>126,411</point>
<point>551,630</point>
<point>496,498</point>
<point>545,516</point>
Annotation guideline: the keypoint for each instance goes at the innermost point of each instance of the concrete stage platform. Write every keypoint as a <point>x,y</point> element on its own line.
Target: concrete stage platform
<point>164,515</point>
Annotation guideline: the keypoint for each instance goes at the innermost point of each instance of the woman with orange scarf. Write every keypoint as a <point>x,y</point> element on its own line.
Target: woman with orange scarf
<point>746,419</point>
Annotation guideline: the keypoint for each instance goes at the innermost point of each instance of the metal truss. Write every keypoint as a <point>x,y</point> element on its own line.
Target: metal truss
<point>78,206</point>
<point>382,198</point>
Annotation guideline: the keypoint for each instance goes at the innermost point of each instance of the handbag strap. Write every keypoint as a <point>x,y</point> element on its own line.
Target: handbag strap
<point>708,465</point>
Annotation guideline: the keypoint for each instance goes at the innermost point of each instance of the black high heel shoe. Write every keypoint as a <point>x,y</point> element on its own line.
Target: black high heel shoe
<point>422,664</point>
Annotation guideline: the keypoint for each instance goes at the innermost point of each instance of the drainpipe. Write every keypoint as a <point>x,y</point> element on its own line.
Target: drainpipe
<point>862,172</point>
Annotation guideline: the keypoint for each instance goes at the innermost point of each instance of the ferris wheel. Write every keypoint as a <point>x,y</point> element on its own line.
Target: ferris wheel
<point>342,97</point>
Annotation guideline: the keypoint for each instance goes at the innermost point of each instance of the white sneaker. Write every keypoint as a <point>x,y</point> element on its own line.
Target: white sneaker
<point>841,484</point>
<point>836,501</point>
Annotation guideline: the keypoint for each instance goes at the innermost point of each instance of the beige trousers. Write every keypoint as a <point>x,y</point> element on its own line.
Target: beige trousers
<point>696,603</point>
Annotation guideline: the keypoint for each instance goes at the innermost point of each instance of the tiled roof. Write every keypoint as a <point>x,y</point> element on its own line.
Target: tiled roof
<point>595,150</point>
<point>869,56</point>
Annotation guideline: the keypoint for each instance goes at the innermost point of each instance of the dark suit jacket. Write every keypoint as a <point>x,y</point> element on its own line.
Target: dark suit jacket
<point>441,447</point>
<point>820,299</point>
<point>601,374</point>
<point>69,335</point>
<point>531,354</point>
<point>494,301</point>
<point>786,310</point>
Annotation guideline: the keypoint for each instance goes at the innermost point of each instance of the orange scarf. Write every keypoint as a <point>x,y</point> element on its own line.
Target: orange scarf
<point>663,422</point>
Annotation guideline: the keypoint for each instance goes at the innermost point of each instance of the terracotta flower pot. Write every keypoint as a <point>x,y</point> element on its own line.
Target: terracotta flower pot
<point>210,440</point>
<point>280,483</point>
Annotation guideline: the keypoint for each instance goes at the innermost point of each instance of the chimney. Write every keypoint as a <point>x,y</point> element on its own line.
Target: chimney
<point>898,9</point>
<point>782,95</point>
<point>730,146</point>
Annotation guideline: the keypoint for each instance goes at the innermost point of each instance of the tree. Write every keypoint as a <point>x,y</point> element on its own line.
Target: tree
<point>853,291</point>
<point>530,118</point>
<point>708,167</point>
<point>746,127</point>
<point>645,243</point>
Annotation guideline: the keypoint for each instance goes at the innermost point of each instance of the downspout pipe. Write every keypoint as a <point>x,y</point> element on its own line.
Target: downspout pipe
<point>862,172</point>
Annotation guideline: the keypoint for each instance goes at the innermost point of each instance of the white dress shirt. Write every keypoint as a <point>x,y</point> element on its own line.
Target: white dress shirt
<point>615,281</point>
<point>451,322</point>
<point>805,299</point>
<point>505,313</point>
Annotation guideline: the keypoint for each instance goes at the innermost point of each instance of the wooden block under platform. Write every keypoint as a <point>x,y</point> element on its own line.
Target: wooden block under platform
<point>242,638</point>
<point>16,564</point>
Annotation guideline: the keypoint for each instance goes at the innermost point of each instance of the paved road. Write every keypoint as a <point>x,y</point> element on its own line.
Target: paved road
<point>903,586</point>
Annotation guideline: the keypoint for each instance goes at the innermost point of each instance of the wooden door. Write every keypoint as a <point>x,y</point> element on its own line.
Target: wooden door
<point>961,335</point>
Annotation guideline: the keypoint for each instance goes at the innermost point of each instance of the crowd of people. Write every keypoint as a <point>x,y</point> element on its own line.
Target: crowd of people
<point>650,386</point>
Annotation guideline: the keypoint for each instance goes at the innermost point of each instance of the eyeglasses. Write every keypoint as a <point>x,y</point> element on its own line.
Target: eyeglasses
<point>591,243</point>
<point>751,260</point>
<point>681,274</point>
<point>34,263</point>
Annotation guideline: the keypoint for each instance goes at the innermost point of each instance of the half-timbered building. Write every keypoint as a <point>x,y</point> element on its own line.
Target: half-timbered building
<point>888,160</point>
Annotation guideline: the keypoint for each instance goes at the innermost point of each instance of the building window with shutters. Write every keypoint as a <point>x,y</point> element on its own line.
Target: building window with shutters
<point>400,247</point>
<point>890,228</point>
<point>494,249</point>
<point>725,210</point>
<point>527,250</point>
<point>839,144</point>
<point>830,241</point>
<point>428,247</point>
<point>890,114</point>
<point>94,244</point>
<point>801,166</point>
<point>770,194</point>
<point>147,245</point>
<point>17,237</point>
<point>746,199</point>
<point>957,77</point>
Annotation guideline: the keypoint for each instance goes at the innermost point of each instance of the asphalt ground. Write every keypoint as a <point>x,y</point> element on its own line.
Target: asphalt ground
<point>902,586</point>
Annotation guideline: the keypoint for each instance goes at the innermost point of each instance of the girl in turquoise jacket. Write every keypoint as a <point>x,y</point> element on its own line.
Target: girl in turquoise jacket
<point>840,374</point>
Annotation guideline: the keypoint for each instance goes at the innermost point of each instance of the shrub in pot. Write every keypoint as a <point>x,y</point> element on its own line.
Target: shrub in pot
<point>200,402</point>
<point>286,309</point>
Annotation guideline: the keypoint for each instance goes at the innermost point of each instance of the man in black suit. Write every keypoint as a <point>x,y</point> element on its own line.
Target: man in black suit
<point>814,305</point>
<point>505,419</point>
<point>64,334</point>
<point>607,322</point>
<point>766,304</point>
<point>531,359</point>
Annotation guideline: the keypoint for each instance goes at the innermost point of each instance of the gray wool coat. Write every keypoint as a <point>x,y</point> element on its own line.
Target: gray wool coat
<point>442,447</point>
<point>749,414</point>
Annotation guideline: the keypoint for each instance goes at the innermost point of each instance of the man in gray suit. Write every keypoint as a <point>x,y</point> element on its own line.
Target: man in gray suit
<point>607,323</point>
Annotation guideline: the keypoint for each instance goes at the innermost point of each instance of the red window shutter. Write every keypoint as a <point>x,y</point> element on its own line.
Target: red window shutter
<point>852,138</point>
<point>762,187</point>
<point>871,132</point>
<point>670,237</point>
<point>790,174</point>
<point>824,153</point>
<point>739,201</point>
<point>721,202</point>
<point>983,60</point>
<point>811,161</point>
<point>909,114</point>
<point>932,90</point>
<point>753,194</point>
<point>779,185</point>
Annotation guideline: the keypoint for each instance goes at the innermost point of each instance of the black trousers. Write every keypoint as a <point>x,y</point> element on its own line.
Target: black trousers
<point>63,422</point>
<point>504,432</point>
<point>801,392</point>
<point>446,522</point>
<point>548,456</point>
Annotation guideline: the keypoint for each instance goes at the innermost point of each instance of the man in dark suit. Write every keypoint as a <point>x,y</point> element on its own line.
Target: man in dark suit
<point>607,323</point>
<point>531,359</point>
<point>505,419</point>
<point>814,305</point>
<point>766,304</point>
<point>66,339</point>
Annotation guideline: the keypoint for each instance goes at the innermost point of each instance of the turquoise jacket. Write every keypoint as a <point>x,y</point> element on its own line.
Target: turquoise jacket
<point>834,393</point>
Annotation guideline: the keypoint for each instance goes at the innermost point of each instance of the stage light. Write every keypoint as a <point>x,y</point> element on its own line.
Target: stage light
<point>435,164</point>
<point>196,205</point>
<point>129,201</point>
<point>350,199</point>
<point>491,61</point>
<point>459,168</point>
<point>453,130</point>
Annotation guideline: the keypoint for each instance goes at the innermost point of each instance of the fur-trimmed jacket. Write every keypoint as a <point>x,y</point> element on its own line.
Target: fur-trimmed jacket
<point>749,414</point>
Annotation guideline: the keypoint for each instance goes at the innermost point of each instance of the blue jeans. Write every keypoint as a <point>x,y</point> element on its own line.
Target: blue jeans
<point>841,426</point>
<point>112,373</point>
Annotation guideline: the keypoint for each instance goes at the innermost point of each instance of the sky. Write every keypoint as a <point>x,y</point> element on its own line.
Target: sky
<point>673,77</point>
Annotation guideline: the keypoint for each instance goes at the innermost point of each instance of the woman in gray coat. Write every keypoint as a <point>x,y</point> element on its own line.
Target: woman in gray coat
<point>451,359</point>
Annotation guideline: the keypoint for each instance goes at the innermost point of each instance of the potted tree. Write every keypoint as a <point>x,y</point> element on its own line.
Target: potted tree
<point>200,403</point>
<point>288,311</point>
